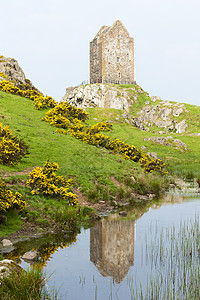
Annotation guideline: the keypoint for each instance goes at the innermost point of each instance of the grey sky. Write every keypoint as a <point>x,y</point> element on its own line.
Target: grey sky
<point>50,39</point>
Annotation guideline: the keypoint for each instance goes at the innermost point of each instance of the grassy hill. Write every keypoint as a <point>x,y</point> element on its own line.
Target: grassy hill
<point>99,175</point>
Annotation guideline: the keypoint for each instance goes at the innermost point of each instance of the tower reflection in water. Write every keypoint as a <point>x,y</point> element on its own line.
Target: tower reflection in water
<point>112,247</point>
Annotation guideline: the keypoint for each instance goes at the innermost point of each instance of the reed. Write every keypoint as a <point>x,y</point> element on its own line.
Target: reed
<point>174,257</point>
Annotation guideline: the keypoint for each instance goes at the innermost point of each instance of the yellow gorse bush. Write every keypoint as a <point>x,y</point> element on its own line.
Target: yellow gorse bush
<point>12,149</point>
<point>101,126</point>
<point>8,199</point>
<point>64,112</point>
<point>40,101</point>
<point>43,180</point>
<point>3,75</point>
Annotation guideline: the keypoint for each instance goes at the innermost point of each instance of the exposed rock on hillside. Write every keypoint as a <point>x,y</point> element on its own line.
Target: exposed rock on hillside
<point>162,115</point>
<point>168,141</point>
<point>10,70</point>
<point>155,98</point>
<point>181,127</point>
<point>100,95</point>
<point>141,110</point>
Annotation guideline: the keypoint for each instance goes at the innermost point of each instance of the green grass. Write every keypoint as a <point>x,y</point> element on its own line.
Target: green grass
<point>14,222</point>
<point>24,285</point>
<point>89,166</point>
<point>179,163</point>
<point>75,158</point>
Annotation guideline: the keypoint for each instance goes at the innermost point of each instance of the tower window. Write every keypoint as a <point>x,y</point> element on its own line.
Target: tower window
<point>119,75</point>
<point>117,59</point>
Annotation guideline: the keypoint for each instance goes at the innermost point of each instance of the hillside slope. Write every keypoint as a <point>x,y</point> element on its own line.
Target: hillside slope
<point>100,176</point>
<point>170,129</point>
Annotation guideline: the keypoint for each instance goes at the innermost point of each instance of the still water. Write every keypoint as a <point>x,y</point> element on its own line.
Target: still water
<point>108,261</point>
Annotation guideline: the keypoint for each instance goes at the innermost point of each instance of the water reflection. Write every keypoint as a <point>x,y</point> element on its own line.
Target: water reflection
<point>112,247</point>
<point>45,246</point>
<point>169,199</point>
<point>108,261</point>
<point>112,239</point>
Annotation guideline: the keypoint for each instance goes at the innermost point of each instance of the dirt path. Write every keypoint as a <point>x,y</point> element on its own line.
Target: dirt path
<point>24,172</point>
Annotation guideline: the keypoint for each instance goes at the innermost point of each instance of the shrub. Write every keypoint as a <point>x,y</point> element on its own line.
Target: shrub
<point>102,126</point>
<point>43,180</point>
<point>12,149</point>
<point>8,199</point>
<point>64,112</point>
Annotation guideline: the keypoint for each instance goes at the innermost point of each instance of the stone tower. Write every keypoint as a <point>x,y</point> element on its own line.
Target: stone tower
<point>112,55</point>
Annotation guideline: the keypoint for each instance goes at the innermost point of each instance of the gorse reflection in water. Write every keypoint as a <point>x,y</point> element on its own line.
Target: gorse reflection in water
<point>109,260</point>
<point>44,245</point>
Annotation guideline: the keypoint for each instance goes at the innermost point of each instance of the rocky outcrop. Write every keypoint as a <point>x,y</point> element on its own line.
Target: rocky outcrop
<point>181,127</point>
<point>101,95</point>
<point>10,70</point>
<point>145,112</point>
<point>163,115</point>
<point>168,141</point>
<point>155,98</point>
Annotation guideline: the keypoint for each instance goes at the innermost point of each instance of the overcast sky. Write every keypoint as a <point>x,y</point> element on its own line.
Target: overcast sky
<point>50,39</point>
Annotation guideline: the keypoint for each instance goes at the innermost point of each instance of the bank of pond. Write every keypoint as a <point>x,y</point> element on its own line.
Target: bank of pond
<point>151,253</point>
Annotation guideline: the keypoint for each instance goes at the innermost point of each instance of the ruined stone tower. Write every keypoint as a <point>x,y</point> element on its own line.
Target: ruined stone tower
<point>112,55</point>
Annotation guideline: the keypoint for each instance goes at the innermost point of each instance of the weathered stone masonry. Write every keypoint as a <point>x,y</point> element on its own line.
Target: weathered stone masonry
<point>112,55</point>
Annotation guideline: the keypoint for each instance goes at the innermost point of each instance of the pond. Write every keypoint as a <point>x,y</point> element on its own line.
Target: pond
<point>115,257</point>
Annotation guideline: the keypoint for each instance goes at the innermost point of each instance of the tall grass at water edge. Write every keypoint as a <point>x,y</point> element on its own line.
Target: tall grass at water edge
<point>174,258</point>
<point>25,285</point>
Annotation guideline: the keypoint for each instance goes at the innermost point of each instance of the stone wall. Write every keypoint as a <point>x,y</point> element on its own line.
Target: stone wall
<point>95,61</point>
